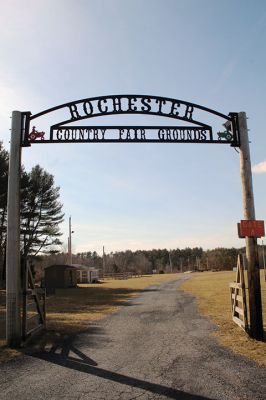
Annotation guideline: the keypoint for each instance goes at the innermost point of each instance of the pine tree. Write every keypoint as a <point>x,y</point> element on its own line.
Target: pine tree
<point>3,208</point>
<point>41,213</point>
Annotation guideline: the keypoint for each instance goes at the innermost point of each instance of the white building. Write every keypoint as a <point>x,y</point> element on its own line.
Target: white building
<point>86,274</point>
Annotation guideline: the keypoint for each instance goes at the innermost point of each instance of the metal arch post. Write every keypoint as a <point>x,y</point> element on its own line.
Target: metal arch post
<point>13,273</point>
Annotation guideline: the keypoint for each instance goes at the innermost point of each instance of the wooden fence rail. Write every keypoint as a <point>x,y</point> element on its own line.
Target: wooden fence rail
<point>238,297</point>
<point>34,306</point>
<point>119,275</point>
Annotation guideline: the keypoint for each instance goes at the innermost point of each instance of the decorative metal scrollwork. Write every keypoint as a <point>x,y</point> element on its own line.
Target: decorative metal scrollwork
<point>226,135</point>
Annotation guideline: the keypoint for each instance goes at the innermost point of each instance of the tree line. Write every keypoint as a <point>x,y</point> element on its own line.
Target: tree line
<point>174,260</point>
<point>40,215</point>
<point>150,261</point>
<point>164,260</point>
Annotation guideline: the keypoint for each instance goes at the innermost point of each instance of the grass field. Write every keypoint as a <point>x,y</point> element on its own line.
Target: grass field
<point>212,292</point>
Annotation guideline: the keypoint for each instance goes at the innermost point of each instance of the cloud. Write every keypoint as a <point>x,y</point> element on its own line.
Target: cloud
<point>259,168</point>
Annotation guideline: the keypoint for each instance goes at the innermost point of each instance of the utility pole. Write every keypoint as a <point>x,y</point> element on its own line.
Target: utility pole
<point>198,263</point>
<point>13,269</point>
<point>103,261</point>
<point>263,258</point>
<point>170,262</point>
<point>254,289</point>
<point>70,242</point>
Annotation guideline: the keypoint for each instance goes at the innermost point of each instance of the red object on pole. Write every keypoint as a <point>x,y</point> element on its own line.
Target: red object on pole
<point>252,228</point>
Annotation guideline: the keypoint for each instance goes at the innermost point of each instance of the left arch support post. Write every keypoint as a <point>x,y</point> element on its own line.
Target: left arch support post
<point>13,272</point>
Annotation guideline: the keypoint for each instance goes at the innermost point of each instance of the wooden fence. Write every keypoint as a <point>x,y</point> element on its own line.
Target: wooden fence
<point>238,296</point>
<point>119,275</point>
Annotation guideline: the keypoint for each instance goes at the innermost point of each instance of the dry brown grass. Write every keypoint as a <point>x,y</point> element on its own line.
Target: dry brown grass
<point>212,292</point>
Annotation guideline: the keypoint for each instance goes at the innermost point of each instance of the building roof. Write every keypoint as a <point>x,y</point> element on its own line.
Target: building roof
<point>63,266</point>
<point>83,267</point>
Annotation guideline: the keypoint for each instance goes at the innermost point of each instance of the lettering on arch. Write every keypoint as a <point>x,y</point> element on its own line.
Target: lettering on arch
<point>197,122</point>
<point>131,105</point>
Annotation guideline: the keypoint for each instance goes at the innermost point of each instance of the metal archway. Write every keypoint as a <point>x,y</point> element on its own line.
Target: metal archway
<point>195,129</point>
<point>199,129</point>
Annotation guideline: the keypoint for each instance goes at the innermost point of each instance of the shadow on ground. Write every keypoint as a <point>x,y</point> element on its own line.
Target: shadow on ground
<point>88,299</point>
<point>70,310</point>
<point>65,354</point>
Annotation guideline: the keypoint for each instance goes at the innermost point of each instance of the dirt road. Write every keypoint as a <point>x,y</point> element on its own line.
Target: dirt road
<point>156,347</point>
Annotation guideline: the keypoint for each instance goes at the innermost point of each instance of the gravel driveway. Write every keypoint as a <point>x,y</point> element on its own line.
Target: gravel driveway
<point>156,347</point>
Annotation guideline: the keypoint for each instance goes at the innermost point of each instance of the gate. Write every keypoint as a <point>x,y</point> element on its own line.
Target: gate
<point>238,296</point>
<point>33,309</point>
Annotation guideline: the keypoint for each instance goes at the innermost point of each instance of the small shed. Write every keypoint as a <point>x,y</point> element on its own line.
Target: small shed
<point>60,276</point>
<point>86,274</point>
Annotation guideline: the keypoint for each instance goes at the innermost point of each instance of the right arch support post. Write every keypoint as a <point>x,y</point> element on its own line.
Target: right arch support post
<point>254,289</point>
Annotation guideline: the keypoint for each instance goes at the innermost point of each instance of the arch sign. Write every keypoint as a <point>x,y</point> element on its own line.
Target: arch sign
<point>195,129</point>
<point>70,125</point>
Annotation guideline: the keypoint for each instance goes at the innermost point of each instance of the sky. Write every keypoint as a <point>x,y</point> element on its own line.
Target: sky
<point>140,196</point>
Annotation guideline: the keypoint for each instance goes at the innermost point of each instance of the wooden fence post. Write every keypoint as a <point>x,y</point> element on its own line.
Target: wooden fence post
<point>254,290</point>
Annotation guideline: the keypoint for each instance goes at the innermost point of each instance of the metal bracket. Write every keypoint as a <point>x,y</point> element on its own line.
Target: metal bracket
<point>25,126</point>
